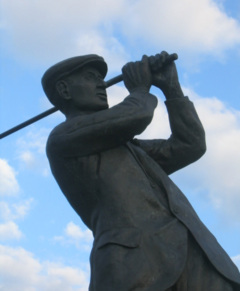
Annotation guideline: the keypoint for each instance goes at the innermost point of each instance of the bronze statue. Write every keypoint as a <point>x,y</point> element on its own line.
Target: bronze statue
<point>146,234</point>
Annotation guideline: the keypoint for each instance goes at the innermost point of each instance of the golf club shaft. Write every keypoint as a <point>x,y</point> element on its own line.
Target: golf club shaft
<point>108,83</point>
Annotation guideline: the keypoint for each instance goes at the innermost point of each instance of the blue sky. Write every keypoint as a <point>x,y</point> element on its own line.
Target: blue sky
<point>43,243</point>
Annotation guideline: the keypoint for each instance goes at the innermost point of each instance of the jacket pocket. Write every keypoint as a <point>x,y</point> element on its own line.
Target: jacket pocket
<point>127,237</point>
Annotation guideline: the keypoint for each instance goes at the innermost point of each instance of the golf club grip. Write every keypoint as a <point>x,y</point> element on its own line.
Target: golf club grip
<point>119,78</point>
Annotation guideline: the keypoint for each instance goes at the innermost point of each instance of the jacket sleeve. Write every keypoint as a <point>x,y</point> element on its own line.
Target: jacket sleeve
<point>186,143</point>
<point>92,133</point>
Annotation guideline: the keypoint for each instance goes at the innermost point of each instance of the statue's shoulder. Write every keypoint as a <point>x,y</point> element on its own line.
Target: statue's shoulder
<point>58,130</point>
<point>56,135</point>
<point>69,126</point>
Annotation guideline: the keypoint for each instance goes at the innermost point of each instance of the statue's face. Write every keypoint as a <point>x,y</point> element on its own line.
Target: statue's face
<point>87,90</point>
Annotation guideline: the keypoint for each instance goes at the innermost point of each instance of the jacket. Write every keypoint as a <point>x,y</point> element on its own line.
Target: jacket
<point>120,188</point>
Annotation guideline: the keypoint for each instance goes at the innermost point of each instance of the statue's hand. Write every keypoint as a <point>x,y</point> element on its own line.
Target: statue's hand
<point>137,75</point>
<point>164,73</point>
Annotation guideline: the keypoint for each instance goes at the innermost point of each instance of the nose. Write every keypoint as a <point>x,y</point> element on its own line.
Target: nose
<point>105,84</point>
<point>101,82</point>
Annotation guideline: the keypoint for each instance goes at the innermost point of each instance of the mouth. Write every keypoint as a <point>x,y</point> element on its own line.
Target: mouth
<point>102,95</point>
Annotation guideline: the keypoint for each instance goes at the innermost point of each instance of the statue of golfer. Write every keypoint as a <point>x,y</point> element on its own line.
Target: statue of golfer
<point>147,237</point>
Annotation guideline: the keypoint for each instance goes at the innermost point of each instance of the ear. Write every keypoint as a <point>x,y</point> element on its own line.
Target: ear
<point>63,89</point>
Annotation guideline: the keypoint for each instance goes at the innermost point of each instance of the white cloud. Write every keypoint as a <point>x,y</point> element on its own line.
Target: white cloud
<point>236,260</point>
<point>219,169</point>
<point>22,208</point>
<point>9,231</point>
<point>31,150</point>
<point>109,47</point>
<point>35,140</point>
<point>28,158</point>
<point>75,232</point>
<point>78,27</point>
<point>5,211</point>
<point>188,25</point>
<point>8,183</point>
<point>116,94</point>
<point>74,235</point>
<point>15,211</point>
<point>159,127</point>
<point>67,278</point>
<point>65,29</point>
<point>20,270</point>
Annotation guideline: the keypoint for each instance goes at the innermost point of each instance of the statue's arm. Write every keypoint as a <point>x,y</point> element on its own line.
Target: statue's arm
<point>92,133</point>
<point>187,141</point>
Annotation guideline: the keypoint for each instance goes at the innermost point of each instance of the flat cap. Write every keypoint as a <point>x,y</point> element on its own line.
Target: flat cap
<point>67,67</point>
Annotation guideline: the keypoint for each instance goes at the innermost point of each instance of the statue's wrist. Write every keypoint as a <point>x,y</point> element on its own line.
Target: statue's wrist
<point>139,89</point>
<point>173,91</point>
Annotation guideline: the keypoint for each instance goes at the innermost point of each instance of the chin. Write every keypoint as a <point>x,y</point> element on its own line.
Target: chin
<point>103,107</point>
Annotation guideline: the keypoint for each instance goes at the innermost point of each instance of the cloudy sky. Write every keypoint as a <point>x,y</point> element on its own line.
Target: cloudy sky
<point>43,243</point>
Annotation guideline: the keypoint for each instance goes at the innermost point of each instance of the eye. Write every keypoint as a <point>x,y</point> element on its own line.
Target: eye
<point>90,76</point>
